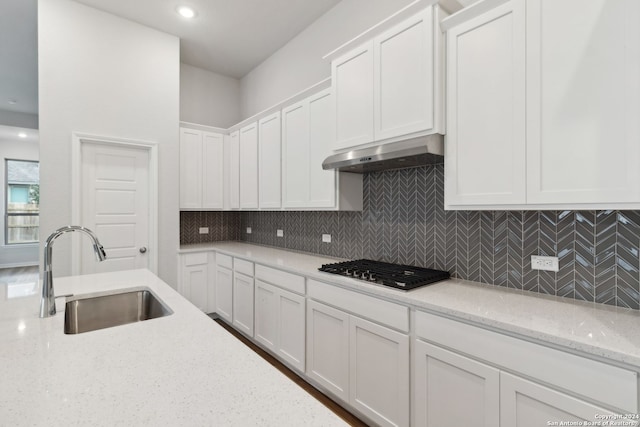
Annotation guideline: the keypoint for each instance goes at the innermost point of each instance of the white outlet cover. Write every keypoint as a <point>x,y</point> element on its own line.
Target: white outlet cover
<point>326,238</point>
<point>248,230</point>
<point>546,263</point>
<point>279,233</point>
<point>204,230</point>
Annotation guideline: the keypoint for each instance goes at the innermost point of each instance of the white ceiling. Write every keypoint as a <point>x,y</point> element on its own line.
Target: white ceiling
<point>9,133</point>
<point>19,56</point>
<point>229,37</point>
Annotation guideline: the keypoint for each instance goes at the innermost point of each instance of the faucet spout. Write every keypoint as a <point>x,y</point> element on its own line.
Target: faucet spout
<point>48,300</point>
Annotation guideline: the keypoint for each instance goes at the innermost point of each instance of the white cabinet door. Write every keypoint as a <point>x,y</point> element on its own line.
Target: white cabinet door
<point>527,404</point>
<point>249,167</point>
<point>291,329</point>
<point>266,315</point>
<point>379,372</point>
<point>328,348</point>
<point>190,169</point>
<point>321,183</point>
<point>232,149</point>
<point>404,76</point>
<point>295,145</point>
<point>352,81</point>
<point>194,285</point>
<point>243,303</point>
<point>224,293</point>
<point>485,142</point>
<point>212,159</point>
<point>450,390</point>
<point>583,101</point>
<point>269,162</point>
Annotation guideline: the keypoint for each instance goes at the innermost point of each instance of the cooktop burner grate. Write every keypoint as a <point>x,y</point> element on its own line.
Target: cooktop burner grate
<point>397,276</point>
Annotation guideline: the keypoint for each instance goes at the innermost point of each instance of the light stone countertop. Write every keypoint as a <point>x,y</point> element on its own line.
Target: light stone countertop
<point>598,330</point>
<point>179,370</point>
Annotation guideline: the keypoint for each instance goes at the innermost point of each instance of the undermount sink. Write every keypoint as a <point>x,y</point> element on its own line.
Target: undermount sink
<point>85,313</point>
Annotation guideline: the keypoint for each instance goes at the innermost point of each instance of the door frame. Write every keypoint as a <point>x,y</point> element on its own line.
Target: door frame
<point>79,138</point>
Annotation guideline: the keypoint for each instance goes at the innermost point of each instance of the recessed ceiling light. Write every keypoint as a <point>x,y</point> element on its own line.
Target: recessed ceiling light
<point>13,101</point>
<point>22,135</point>
<point>186,12</point>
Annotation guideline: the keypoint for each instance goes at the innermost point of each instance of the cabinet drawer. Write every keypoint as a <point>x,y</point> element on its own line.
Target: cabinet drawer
<point>595,380</point>
<point>243,266</point>
<point>291,282</point>
<point>224,261</point>
<point>387,313</point>
<point>195,259</point>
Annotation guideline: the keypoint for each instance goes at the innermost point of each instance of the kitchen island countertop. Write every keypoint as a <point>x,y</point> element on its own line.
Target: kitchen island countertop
<point>597,330</point>
<point>183,369</point>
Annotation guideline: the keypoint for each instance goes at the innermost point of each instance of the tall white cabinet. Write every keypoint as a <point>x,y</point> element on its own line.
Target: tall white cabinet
<point>269,162</point>
<point>542,105</point>
<point>249,166</point>
<point>201,169</point>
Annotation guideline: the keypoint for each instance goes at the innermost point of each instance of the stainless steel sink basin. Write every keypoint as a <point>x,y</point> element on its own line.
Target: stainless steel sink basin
<point>84,313</point>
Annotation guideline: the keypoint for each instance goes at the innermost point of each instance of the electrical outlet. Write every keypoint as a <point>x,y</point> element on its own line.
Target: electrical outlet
<point>326,238</point>
<point>547,263</point>
<point>248,230</point>
<point>204,230</point>
<point>279,233</point>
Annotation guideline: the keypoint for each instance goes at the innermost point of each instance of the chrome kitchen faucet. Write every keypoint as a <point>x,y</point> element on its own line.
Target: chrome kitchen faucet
<point>48,301</point>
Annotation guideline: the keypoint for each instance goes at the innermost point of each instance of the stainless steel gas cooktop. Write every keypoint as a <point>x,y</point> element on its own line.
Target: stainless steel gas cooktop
<point>397,276</point>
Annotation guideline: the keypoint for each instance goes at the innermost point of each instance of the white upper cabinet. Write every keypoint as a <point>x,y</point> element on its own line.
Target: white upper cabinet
<point>249,167</point>
<point>295,146</point>
<point>232,172</point>
<point>389,86</point>
<point>201,169</point>
<point>352,79</point>
<point>485,141</point>
<point>269,162</point>
<point>403,77</point>
<point>322,183</point>
<point>583,101</point>
<point>543,104</point>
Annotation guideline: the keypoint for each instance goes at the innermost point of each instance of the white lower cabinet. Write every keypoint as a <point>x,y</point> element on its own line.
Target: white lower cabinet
<point>361,362</point>
<point>243,303</point>
<point>196,280</point>
<point>328,348</point>
<point>526,404</point>
<point>279,323</point>
<point>450,390</point>
<point>224,293</point>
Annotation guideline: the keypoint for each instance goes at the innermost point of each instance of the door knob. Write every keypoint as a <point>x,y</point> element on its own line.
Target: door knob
<point>143,250</point>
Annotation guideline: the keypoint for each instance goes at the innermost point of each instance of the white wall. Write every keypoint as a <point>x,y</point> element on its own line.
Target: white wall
<point>299,63</point>
<point>104,75</point>
<point>208,98</point>
<point>20,120</point>
<point>15,255</point>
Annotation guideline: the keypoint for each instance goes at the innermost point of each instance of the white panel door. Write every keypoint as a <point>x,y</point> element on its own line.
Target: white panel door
<point>233,185</point>
<point>190,169</point>
<point>115,205</point>
<point>243,303</point>
<point>291,328</point>
<point>224,293</point>
<point>269,162</point>
<point>295,145</point>
<point>266,315</point>
<point>328,348</point>
<point>249,167</point>
<point>322,183</point>
<point>212,159</point>
<point>485,142</point>
<point>583,101</point>
<point>527,404</point>
<point>379,372</point>
<point>404,77</point>
<point>352,82</point>
<point>451,390</point>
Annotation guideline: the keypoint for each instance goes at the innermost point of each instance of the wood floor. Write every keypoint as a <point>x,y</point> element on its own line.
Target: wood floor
<point>19,275</point>
<point>348,417</point>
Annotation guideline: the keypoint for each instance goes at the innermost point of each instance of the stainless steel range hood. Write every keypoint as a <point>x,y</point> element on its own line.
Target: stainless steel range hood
<point>396,155</point>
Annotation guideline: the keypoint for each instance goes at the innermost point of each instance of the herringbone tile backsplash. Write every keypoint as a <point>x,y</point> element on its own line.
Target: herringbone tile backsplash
<point>404,221</point>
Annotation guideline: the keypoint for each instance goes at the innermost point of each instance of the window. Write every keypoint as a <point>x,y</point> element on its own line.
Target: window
<point>22,202</point>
